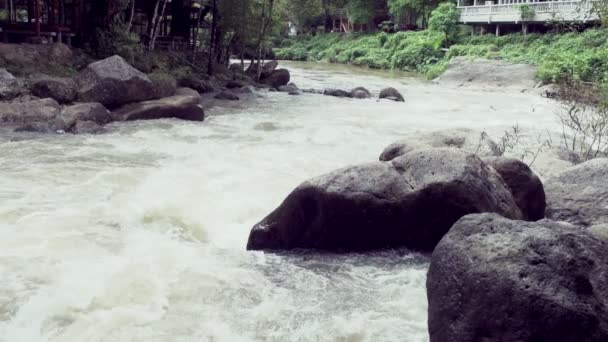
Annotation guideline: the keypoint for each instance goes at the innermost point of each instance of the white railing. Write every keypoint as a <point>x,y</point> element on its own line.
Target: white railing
<point>543,11</point>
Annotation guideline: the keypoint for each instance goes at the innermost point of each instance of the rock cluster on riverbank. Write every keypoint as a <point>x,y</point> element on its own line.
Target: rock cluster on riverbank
<point>499,269</point>
<point>111,90</point>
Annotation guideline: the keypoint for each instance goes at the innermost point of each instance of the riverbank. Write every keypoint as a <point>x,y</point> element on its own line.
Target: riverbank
<point>45,89</point>
<point>581,56</point>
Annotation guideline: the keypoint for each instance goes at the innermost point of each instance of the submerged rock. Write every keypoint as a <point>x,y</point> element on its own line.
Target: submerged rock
<point>391,94</point>
<point>336,93</point>
<point>493,279</point>
<point>182,107</point>
<point>526,187</point>
<point>579,195</point>
<point>469,140</point>
<point>113,82</point>
<point>409,202</point>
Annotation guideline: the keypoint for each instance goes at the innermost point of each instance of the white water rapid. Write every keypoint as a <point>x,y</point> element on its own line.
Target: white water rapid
<point>139,234</point>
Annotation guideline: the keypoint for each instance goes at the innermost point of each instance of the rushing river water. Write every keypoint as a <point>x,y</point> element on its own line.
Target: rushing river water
<point>139,234</point>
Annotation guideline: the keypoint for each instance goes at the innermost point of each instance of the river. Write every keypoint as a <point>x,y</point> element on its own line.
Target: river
<point>139,234</point>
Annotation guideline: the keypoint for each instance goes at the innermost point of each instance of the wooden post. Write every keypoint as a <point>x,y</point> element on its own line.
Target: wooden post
<point>37,16</point>
<point>497,30</point>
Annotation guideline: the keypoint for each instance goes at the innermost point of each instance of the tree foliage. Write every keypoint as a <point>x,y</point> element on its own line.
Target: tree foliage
<point>445,19</point>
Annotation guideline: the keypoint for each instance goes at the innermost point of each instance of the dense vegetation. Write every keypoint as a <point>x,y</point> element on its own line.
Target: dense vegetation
<point>581,56</point>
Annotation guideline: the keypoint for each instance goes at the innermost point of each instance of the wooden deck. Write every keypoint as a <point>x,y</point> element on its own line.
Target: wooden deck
<point>509,11</point>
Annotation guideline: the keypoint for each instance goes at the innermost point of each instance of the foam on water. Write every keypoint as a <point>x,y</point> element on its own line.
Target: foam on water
<point>139,234</point>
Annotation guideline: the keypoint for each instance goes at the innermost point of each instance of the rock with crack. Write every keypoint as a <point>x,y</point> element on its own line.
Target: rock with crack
<point>410,202</point>
<point>494,279</point>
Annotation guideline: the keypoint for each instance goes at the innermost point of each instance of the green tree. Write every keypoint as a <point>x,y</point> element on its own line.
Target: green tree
<point>361,11</point>
<point>445,19</point>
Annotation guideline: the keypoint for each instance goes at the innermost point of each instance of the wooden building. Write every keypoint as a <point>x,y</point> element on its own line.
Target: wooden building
<point>500,15</point>
<point>70,21</point>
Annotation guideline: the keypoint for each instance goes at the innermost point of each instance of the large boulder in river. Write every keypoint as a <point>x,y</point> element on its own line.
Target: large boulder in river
<point>410,202</point>
<point>493,279</point>
<point>10,87</point>
<point>469,140</point>
<point>277,78</point>
<point>391,94</point>
<point>182,107</point>
<point>526,187</point>
<point>62,89</point>
<point>113,82</point>
<point>579,195</point>
<point>360,93</point>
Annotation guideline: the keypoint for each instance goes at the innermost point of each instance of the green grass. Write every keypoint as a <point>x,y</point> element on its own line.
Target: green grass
<point>579,56</point>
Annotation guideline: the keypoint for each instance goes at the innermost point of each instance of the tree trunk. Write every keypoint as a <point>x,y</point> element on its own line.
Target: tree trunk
<point>264,27</point>
<point>212,38</point>
<point>130,23</point>
<point>157,23</point>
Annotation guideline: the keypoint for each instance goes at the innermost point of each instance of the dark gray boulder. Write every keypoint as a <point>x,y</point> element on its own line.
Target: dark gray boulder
<point>336,93</point>
<point>277,78</point>
<point>410,202</point>
<point>182,107</point>
<point>113,82</point>
<point>391,94</point>
<point>227,95</point>
<point>61,89</point>
<point>10,87</point>
<point>360,93</point>
<point>579,195</point>
<point>494,279</point>
<point>526,187</point>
